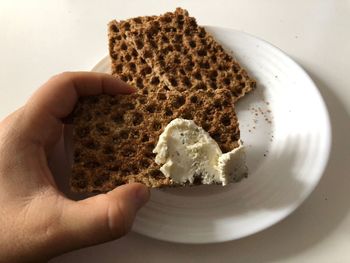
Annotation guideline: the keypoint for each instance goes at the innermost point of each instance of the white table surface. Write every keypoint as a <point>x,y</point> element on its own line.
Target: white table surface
<point>41,38</point>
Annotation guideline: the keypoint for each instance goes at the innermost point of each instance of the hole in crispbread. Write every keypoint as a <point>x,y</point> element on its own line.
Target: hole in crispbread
<point>187,32</point>
<point>225,120</point>
<point>134,134</point>
<point>186,81</point>
<point>114,28</point>
<point>213,85</point>
<point>194,99</point>
<point>168,112</point>
<point>137,20</point>
<point>206,126</point>
<point>202,52</point>
<point>124,46</point>
<point>128,106</point>
<point>156,126</point>
<point>139,83</point>
<point>213,74</point>
<point>216,136</point>
<point>178,38</point>
<point>92,164</point>
<point>139,43</point>
<point>126,26</point>
<point>91,144</point>
<point>115,167</point>
<point>227,81</point>
<point>161,96</point>
<point>132,67</point>
<point>127,57</point>
<point>178,61</point>
<point>166,19</point>
<point>202,33</point>
<point>134,53</point>
<point>124,134</point>
<point>217,103</point>
<point>235,137</point>
<point>156,173</point>
<point>178,102</point>
<point>147,54</point>
<point>177,47</point>
<point>200,86</point>
<point>165,39</point>
<point>146,70</point>
<point>128,152</point>
<point>155,81</point>
<point>204,65</point>
<point>173,82</point>
<point>189,66</point>
<point>151,108</point>
<point>145,138</point>
<point>145,163</point>
<point>137,118</point>
<point>197,75</point>
<point>101,179</point>
<point>124,78</point>
<point>142,100</point>
<point>119,68</point>
<point>82,131</point>
<point>108,149</point>
<point>102,129</point>
<point>192,44</point>
<point>188,115</point>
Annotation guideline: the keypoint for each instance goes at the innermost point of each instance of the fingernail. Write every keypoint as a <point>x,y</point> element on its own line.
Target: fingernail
<point>142,196</point>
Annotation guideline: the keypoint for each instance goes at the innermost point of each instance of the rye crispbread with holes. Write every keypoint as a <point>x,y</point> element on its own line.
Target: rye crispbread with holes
<point>185,56</point>
<point>127,64</point>
<point>114,136</point>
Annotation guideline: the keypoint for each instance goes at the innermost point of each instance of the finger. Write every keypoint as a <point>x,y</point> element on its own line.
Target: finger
<point>103,217</point>
<point>57,97</point>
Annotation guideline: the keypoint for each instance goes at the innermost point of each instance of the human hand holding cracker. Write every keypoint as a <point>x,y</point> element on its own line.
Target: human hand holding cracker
<point>37,221</point>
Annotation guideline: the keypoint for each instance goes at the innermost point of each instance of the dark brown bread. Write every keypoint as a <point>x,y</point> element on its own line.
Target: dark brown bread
<point>127,64</point>
<point>114,136</point>
<point>186,57</point>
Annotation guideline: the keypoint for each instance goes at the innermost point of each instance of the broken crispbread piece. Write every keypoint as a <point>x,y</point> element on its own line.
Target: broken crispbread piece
<point>114,136</point>
<point>126,63</point>
<point>186,57</point>
<point>180,71</point>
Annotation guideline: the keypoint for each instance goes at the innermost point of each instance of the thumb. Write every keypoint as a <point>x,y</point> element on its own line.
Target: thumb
<point>101,218</point>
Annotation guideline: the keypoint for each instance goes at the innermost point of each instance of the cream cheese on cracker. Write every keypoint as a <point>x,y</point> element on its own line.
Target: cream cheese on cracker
<point>187,151</point>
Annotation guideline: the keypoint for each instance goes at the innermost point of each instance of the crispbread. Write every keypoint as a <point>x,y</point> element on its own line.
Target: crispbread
<point>114,136</point>
<point>186,57</point>
<point>126,63</point>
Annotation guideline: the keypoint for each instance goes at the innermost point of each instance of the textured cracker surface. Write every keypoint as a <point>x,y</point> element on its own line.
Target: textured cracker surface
<point>114,136</point>
<point>186,56</point>
<point>114,142</point>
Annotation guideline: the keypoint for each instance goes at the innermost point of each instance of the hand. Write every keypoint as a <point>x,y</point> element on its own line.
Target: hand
<point>37,222</point>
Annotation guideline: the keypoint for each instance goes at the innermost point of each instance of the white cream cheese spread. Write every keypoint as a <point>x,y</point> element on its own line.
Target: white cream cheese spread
<point>187,151</point>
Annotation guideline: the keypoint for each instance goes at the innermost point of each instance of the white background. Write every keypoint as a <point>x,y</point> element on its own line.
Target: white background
<point>41,38</point>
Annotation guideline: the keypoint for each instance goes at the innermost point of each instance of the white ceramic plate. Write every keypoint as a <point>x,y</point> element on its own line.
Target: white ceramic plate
<point>285,128</point>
